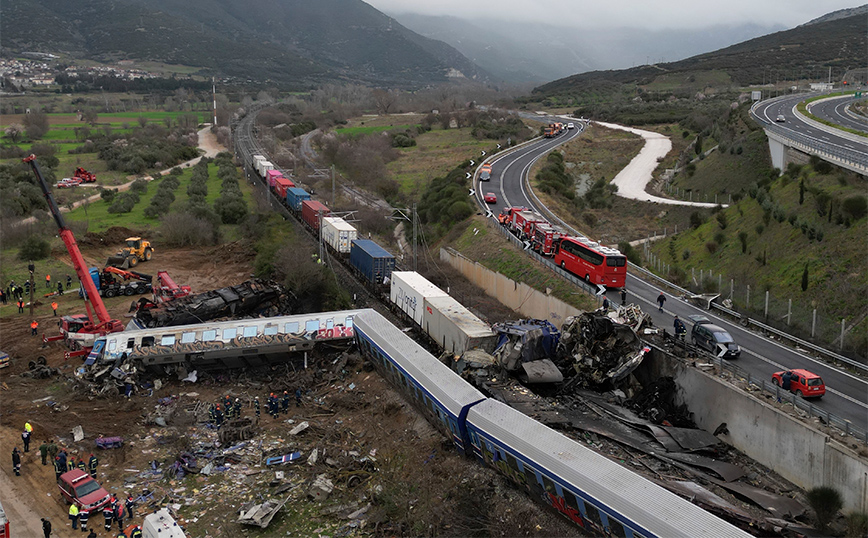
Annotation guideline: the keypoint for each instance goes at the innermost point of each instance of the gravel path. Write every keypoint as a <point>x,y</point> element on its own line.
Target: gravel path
<point>632,180</point>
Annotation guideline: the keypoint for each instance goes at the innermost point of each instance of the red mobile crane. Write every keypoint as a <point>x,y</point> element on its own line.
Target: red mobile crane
<point>79,331</point>
<point>168,289</point>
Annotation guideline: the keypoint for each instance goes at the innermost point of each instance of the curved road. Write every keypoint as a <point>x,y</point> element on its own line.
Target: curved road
<point>835,110</point>
<point>847,395</point>
<point>769,111</point>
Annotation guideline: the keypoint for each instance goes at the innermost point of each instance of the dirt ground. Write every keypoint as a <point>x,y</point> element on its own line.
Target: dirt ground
<point>419,485</point>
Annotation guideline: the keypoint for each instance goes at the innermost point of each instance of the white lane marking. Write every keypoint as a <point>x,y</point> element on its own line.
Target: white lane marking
<point>782,367</point>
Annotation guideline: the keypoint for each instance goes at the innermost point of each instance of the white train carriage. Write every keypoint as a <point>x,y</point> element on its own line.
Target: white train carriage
<point>436,390</point>
<point>237,343</point>
<point>585,487</point>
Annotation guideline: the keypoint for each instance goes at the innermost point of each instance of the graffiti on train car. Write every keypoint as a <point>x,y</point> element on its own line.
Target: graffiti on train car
<point>560,504</point>
<point>335,332</point>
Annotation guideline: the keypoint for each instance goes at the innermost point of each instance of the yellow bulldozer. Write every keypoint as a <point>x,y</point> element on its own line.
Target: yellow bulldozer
<point>137,250</point>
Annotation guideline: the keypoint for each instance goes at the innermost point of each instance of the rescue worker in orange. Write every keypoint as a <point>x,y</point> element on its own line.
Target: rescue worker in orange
<point>33,326</point>
<point>54,307</point>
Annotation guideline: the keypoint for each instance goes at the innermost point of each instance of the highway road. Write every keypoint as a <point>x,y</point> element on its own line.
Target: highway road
<point>847,395</point>
<point>835,110</point>
<point>769,111</point>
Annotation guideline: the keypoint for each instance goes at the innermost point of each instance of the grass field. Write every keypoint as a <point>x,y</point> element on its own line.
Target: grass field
<point>436,152</point>
<point>98,218</point>
<point>368,129</point>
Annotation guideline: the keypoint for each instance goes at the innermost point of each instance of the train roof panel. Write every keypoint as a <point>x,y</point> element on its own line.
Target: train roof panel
<point>442,383</point>
<point>418,283</point>
<point>652,507</point>
<point>372,248</point>
<point>339,224</point>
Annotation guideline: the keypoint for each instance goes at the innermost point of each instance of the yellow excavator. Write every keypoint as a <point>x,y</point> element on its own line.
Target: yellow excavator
<point>137,250</point>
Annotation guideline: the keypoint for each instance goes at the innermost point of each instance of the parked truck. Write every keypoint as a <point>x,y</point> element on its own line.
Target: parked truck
<point>113,282</point>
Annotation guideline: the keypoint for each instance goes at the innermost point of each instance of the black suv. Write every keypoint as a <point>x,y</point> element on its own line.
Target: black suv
<point>713,339</point>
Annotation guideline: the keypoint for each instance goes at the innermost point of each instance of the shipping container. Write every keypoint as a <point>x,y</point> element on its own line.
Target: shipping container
<point>295,196</point>
<point>372,261</point>
<point>338,234</point>
<point>408,292</point>
<point>264,167</point>
<point>272,176</point>
<point>311,210</point>
<point>256,160</point>
<point>454,328</point>
<point>280,185</point>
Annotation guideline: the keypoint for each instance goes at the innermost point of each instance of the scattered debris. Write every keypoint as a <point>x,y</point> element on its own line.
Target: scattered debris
<point>109,442</point>
<point>598,349</point>
<point>288,458</point>
<point>261,514</point>
<point>300,428</point>
<point>77,434</point>
<point>321,488</point>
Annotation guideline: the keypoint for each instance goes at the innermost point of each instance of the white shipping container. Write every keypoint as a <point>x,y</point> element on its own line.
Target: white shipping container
<point>264,167</point>
<point>338,234</point>
<point>409,291</point>
<point>455,328</point>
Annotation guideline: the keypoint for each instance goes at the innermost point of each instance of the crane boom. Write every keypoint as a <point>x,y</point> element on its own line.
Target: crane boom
<point>103,322</point>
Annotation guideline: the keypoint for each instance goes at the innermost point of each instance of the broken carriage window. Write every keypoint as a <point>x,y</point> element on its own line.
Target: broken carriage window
<point>593,515</point>
<point>147,341</point>
<point>131,343</point>
<point>615,527</point>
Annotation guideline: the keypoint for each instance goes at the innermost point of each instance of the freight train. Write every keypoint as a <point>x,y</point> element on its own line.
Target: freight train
<point>588,489</point>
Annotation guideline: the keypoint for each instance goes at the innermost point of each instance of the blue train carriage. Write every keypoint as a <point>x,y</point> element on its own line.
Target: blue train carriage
<point>583,486</point>
<point>295,196</point>
<point>442,396</point>
<point>374,263</point>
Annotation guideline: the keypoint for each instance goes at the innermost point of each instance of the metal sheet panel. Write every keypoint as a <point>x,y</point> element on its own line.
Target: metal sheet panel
<point>615,490</point>
<point>454,327</point>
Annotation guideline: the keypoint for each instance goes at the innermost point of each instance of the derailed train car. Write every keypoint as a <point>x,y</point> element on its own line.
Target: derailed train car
<point>446,321</point>
<point>590,490</point>
<point>249,297</point>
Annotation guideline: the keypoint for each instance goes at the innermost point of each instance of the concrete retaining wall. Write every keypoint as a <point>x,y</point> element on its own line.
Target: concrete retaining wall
<point>516,295</point>
<point>803,455</point>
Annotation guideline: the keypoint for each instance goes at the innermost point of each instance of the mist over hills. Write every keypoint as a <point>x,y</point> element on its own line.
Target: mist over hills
<point>519,52</point>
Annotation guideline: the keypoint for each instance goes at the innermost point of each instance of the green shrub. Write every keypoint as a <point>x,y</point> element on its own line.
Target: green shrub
<point>857,525</point>
<point>34,248</point>
<point>855,206</point>
<point>826,502</point>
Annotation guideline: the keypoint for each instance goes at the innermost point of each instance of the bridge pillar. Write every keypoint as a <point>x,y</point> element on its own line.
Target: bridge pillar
<point>778,153</point>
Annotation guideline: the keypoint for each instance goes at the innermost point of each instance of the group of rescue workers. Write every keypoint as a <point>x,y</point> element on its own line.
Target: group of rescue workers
<point>229,410</point>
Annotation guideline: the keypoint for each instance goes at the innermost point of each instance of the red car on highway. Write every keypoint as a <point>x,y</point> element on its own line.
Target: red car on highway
<point>802,382</point>
<point>76,486</point>
<point>490,198</point>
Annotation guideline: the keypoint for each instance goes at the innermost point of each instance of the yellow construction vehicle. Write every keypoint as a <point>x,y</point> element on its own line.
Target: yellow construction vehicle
<point>137,250</point>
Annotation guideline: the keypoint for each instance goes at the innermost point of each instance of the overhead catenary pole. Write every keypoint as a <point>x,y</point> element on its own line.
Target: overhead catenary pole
<point>415,254</point>
<point>214,99</point>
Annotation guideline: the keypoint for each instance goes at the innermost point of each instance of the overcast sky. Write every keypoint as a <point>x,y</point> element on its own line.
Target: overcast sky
<point>659,14</point>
